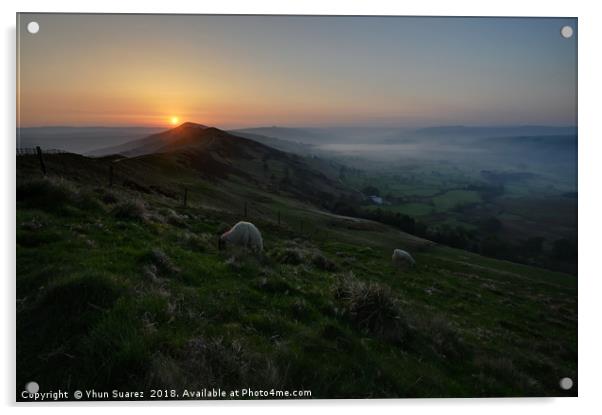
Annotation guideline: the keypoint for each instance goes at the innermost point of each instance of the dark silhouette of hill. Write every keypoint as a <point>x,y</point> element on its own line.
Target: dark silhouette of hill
<point>217,154</point>
<point>152,143</point>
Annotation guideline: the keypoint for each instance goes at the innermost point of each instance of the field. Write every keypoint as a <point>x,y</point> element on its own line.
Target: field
<point>121,286</point>
<point>509,207</point>
<point>455,198</point>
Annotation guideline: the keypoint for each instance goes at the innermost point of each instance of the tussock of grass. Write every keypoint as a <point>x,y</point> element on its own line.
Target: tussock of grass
<point>274,284</point>
<point>295,253</point>
<point>54,324</point>
<point>495,373</point>
<point>374,308</point>
<point>217,361</point>
<point>118,347</point>
<point>440,334</point>
<point>162,261</point>
<point>46,192</point>
<point>299,308</point>
<point>174,218</point>
<point>321,262</point>
<point>370,306</point>
<point>32,225</point>
<point>197,242</point>
<point>291,256</point>
<point>134,210</point>
<point>149,272</point>
<point>165,372</point>
<point>54,195</point>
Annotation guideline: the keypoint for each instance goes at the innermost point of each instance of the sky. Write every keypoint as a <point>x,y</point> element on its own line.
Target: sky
<point>245,71</point>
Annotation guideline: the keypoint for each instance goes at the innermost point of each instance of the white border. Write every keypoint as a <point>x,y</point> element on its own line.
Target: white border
<point>590,206</point>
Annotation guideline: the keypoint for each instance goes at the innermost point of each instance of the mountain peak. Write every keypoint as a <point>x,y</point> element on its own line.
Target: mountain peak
<point>190,126</point>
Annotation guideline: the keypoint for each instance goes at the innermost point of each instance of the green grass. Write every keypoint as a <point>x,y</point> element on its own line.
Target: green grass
<point>107,300</point>
<point>454,198</point>
<point>411,209</point>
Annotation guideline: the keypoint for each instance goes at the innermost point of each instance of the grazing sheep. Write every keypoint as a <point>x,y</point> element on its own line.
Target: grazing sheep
<point>243,234</point>
<point>402,259</point>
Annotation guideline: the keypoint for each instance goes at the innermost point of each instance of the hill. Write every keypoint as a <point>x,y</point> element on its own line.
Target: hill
<point>122,286</point>
<point>152,143</point>
<point>214,153</point>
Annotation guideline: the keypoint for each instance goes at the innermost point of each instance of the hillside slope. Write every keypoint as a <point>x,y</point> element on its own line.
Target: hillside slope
<point>123,287</point>
<point>215,153</point>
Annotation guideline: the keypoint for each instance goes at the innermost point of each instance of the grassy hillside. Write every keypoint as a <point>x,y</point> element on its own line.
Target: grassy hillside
<point>123,287</point>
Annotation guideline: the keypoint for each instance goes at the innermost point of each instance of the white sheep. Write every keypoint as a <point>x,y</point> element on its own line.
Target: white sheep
<point>402,259</point>
<point>243,234</point>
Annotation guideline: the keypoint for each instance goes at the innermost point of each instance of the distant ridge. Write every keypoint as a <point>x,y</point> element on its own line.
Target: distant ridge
<point>298,135</point>
<point>80,140</point>
<point>500,131</point>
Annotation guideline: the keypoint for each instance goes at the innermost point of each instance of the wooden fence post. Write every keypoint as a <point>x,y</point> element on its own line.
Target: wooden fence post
<point>42,165</point>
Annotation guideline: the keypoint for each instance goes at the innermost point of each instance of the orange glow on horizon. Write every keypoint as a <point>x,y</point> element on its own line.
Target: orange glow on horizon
<point>174,120</point>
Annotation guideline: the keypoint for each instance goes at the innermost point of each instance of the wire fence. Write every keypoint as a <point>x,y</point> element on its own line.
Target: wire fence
<point>248,209</point>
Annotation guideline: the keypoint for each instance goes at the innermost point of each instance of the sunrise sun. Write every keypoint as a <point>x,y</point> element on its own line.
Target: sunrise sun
<point>174,120</point>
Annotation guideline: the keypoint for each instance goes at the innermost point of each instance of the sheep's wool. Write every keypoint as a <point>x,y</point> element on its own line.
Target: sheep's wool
<point>402,258</point>
<point>244,234</point>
